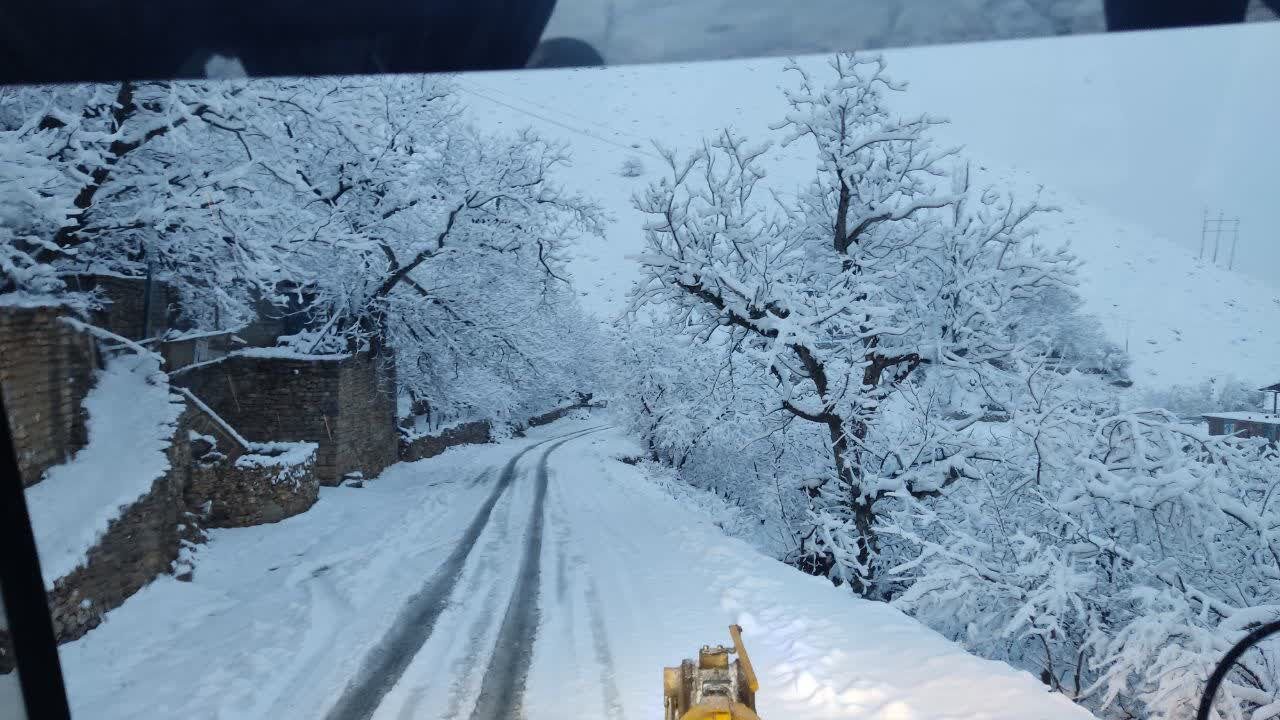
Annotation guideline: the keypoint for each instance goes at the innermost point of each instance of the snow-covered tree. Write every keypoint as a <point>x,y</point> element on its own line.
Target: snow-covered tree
<point>34,203</point>
<point>886,265</point>
<point>158,176</point>
<point>1119,553</point>
<point>397,225</point>
<point>708,414</point>
<point>1226,394</point>
<point>631,167</point>
<point>423,237</point>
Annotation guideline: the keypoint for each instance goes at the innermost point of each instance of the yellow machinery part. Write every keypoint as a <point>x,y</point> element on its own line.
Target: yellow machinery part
<point>720,709</point>
<point>722,690</point>
<point>735,631</point>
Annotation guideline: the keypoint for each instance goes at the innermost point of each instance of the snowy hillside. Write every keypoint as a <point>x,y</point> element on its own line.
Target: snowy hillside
<point>1181,319</point>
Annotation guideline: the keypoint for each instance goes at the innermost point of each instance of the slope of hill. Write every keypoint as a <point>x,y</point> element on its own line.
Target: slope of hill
<point>1182,319</point>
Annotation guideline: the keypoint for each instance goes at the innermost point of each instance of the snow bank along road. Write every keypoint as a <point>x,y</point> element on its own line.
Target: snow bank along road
<point>536,578</point>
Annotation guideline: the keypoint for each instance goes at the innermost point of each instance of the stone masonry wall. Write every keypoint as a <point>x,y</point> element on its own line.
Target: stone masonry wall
<point>251,490</point>
<point>551,416</point>
<point>139,545</point>
<point>425,446</point>
<point>367,436</point>
<point>203,347</point>
<point>337,403</point>
<point>46,369</point>
<point>123,301</point>
<point>474,433</point>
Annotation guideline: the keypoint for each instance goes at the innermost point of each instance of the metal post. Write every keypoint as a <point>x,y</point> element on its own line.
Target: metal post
<point>1217,237</point>
<point>1235,238</point>
<point>146,303</point>
<point>1204,229</point>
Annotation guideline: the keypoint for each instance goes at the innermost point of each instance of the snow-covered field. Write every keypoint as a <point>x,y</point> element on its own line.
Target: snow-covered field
<point>279,618</point>
<point>1099,118</point>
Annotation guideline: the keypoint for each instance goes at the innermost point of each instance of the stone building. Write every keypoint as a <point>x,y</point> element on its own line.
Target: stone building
<point>46,370</point>
<point>346,404</point>
<point>132,307</point>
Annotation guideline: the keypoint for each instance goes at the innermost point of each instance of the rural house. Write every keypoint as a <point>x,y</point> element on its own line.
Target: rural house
<point>1249,424</point>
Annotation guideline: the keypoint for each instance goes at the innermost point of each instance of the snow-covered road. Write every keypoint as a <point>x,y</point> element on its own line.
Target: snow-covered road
<point>538,578</point>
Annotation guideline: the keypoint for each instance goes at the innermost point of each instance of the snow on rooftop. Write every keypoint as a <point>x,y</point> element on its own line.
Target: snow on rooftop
<point>1247,416</point>
<point>285,353</point>
<point>29,300</point>
<point>131,422</point>
<point>289,458</point>
<point>179,335</point>
<point>100,271</point>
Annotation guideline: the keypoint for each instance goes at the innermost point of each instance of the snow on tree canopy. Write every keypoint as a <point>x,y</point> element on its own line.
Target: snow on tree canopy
<point>392,225</point>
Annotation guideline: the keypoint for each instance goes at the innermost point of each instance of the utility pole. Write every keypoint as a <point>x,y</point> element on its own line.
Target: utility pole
<point>1204,230</point>
<point>147,291</point>
<point>1235,238</point>
<point>1216,225</point>
<point>1217,237</point>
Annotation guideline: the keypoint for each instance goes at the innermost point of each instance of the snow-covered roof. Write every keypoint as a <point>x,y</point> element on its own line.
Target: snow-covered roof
<point>1247,416</point>
<point>177,335</point>
<point>287,354</point>
<point>28,300</point>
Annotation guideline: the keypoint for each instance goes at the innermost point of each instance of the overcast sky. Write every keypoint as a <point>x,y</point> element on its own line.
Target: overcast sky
<point>1152,127</point>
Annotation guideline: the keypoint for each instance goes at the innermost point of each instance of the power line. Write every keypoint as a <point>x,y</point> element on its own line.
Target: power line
<point>552,110</point>
<point>557,123</point>
<point>1235,231</point>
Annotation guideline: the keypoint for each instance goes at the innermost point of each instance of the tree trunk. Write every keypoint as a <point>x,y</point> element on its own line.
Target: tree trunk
<point>858,504</point>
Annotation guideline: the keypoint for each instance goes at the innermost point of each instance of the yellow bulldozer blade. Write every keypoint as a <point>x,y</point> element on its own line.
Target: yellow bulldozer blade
<point>712,687</point>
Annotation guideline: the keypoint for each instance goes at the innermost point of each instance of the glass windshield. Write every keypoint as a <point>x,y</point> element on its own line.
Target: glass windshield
<point>902,384</point>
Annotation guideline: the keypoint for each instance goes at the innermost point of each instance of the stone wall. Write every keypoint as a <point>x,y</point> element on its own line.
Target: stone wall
<point>193,348</point>
<point>124,299</point>
<point>425,446</point>
<point>343,404</point>
<point>255,488</point>
<point>46,369</point>
<point>473,433</point>
<point>367,436</point>
<point>551,416</point>
<point>140,544</point>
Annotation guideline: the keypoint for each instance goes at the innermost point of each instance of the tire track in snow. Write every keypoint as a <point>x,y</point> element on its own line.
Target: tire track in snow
<point>597,629</point>
<point>604,656</point>
<point>564,598</point>
<point>463,669</point>
<point>387,661</point>
<point>480,633</point>
<point>502,689</point>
